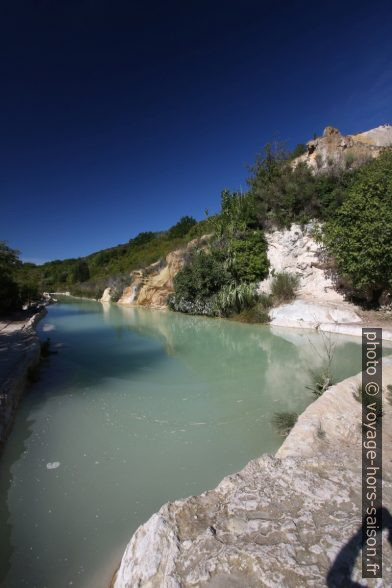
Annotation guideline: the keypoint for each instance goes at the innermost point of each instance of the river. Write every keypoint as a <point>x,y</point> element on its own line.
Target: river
<point>135,408</point>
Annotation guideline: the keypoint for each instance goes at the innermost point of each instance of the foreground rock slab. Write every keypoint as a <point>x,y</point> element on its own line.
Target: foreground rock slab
<point>20,351</point>
<point>280,522</point>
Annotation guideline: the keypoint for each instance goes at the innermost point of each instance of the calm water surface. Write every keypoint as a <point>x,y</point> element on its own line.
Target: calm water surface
<point>137,407</point>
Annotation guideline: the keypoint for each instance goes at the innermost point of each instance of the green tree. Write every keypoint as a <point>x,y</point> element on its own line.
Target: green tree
<point>202,278</point>
<point>248,261</point>
<point>9,291</point>
<point>142,238</point>
<point>181,228</point>
<point>80,272</point>
<point>359,236</point>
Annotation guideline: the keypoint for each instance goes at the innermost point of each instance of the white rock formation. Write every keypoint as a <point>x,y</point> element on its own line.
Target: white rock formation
<point>280,522</point>
<point>295,251</point>
<point>107,295</point>
<point>312,315</point>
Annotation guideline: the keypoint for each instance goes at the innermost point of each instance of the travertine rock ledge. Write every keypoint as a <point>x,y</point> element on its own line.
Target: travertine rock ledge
<point>20,350</point>
<point>280,522</point>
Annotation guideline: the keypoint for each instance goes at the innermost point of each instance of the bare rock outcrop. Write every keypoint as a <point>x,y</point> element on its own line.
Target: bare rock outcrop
<point>296,251</point>
<point>151,286</point>
<point>20,352</point>
<point>280,522</point>
<point>345,151</point>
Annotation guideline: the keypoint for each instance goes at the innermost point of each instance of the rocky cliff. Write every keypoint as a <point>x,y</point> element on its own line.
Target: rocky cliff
<point>281,521</point>
<point>345,151</point>
<point>152,285</point>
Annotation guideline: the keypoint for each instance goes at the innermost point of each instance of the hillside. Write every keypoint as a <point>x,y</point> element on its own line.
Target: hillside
<point>310,184</point>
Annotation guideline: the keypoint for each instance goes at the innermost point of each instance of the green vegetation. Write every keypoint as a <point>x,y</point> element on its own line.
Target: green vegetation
<point>355,205</point>
<point>89,276</point>
<point>283,194</point>
<point>359,235</point>
<point>222,281</point>
<point>322,376</point>
<point>13,293</point>
<point>284,287</point>
<point>283,422</point>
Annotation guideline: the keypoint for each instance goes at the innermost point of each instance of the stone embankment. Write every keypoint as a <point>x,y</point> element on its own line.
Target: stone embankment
<point>20,352</point>
<point>289,520</point>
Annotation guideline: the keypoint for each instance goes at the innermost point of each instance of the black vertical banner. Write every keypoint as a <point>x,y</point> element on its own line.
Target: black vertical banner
<point>371,452</point>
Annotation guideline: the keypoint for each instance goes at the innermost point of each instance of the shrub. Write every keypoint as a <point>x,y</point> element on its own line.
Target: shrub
<point>284,422</point>
<point>283,287</point>
<point>259,313</point>
<point>234,298</point>
<point>283,194</point>
<point>181,228</point>
<point>9,291</point>
<point>200,307</point>
<point>321,380</point>
<point>142,239</point>
<point>248,261</point>
<point>359,236</point>
<point>197,283</point>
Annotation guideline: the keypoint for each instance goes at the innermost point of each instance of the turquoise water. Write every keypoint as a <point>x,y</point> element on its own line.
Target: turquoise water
<point>137,407</point>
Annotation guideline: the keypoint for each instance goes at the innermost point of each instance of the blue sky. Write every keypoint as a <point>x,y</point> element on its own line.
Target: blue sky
<point>118,117</point>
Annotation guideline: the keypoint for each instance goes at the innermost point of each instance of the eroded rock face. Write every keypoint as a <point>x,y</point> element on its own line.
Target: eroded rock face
<point>295,251</point>
<point>345,151</point>
<point>280,522</point>
<point>107,295</point>
<point>152,285</point>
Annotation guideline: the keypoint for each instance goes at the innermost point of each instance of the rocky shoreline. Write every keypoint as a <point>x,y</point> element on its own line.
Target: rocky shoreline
<point>287,520</point>
<point>20,351</point>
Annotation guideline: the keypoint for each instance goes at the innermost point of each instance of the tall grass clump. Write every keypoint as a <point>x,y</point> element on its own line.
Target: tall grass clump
<point>284,287</point>
<point>322,376</point>
<point>283,422</point>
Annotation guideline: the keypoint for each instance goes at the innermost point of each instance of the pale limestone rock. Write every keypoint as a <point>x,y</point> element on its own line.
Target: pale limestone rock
<point>344,151</point>
<point>312,315</point>
<point>107,295</point>
<point>295,251</point>
<point>280,522</point>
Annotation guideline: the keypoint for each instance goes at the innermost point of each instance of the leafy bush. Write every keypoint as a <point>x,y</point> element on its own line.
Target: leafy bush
<point>248,261</point>
<point>283,287</point>
<point>181,228</point>
<point>256,314</point>
<point>284,422</point>
<point>142,239</point>
<point>283,194</point>
<point>359,236</point>
<point>11,295</point>
<point>198,306</point>
<point>199,281</point>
